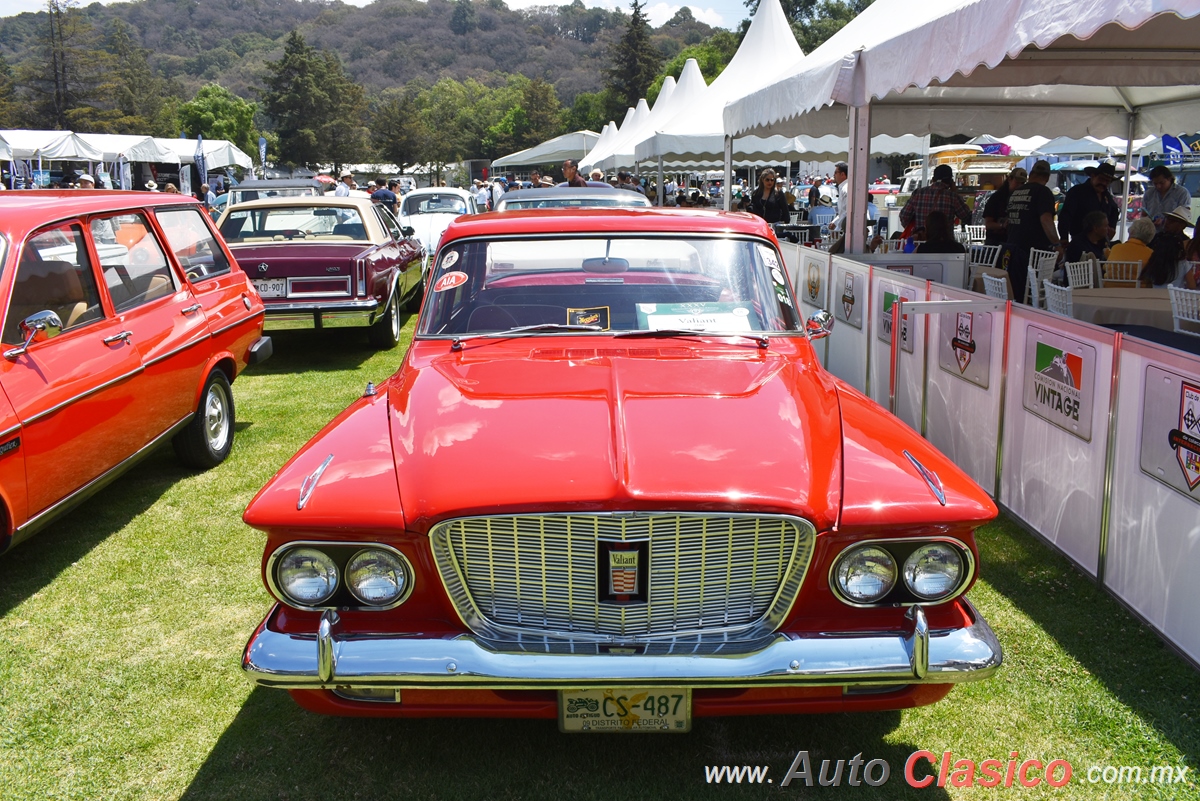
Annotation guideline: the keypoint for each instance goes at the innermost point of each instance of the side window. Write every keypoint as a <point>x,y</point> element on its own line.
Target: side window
<point>135,267</point>
<point>192,243</point>
<point>389,223</point>
<point>54,274</point>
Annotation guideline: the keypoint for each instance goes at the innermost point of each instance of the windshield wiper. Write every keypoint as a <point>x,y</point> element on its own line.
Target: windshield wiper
<point>760,339</point>
<point>457,343</point>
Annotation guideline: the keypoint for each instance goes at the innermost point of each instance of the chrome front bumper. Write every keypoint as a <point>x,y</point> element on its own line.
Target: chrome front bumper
<point>321,314</point>
<point>328,660</point>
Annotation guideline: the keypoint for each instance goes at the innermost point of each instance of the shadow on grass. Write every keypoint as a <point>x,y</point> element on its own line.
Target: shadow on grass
<point>328,350</point>
<point>1132,662</point>
<point>273,749</point>
<point>36,562</point>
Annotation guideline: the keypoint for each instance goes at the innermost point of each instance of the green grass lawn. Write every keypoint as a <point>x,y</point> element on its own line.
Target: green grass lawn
<point>122,626</point>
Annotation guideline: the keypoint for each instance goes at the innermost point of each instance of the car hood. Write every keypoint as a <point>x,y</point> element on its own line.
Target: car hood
<point>562,424</point>
<point>429,228</point>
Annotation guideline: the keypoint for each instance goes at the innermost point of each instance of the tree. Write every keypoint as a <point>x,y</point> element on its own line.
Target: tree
<point>145,101</point>
<point>543,111</point>
<point>589,112</point>
<point>8,97</point>
<point>319,113</point>
<point>397,128</point>
<point>462,21</point>
<point>634,62</point>
<point>69,72</point>
<point>217,113</point>
<point>711,56</point>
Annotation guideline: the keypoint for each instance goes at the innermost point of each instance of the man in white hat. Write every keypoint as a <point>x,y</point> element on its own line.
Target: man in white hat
<point>597,174</point>
<point>87,182</point>
<point>345,180</point>
<point>152,186</point>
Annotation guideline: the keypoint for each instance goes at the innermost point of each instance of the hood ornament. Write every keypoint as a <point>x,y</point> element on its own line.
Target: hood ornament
<point>310,483</point>
<point>931,479</point>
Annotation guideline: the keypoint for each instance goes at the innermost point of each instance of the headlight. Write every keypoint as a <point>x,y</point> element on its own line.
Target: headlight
<point>308,577</point>
<point>377,577</point>
<point>865,574</point>
<point>933,571</point>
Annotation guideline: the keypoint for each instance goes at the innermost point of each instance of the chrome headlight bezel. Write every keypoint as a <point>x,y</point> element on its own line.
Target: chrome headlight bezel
<point>341,553</point>
<point>910,565</point>
<point>402,563</point>
<point>901,549</point>
<point>327,563</point>
<point>859,549</point>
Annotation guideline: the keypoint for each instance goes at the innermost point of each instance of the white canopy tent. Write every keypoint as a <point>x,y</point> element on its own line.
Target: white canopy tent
<point>1052,67</point>
<point>573,145</point>
<point>634,117</point>
<point>217,152</point>
<point>50,146</point>
<point>1021,146</point>
<point>5,150</point>
<point>670,96</point>
<point>130,148</point>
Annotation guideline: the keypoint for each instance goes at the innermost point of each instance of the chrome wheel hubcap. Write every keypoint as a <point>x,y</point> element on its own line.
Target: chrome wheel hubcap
<point>216,418</point>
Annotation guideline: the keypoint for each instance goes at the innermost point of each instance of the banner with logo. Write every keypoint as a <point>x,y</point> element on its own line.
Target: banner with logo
<point>808,270</point>
<point>965,346</point>
<point>1059,380</point>
<point>850,300</point>
<point>1170,434</point>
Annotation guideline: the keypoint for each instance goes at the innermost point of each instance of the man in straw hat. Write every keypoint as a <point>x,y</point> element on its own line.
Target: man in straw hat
<point>345,183</point>
<point>1091,195</point>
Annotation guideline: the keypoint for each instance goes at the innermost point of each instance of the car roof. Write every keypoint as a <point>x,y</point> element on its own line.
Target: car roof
<point>440,190</point>
<point>308,200</point>
<point>561,192</point>
<point>608,220</point>
<point>279,183</point>
<point>22,209</point>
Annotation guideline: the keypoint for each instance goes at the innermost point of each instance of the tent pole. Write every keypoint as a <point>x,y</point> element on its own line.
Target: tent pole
<point>727,189</point>
<point>1128,174</point>
<point>660,181</point>
<point>860,153</point>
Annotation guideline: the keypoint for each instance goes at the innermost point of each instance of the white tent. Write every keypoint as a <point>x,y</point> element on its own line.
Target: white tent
<point>1020,146</point>
<point>568,146</point>
<point>1050,67</point>
<point>633,120</point>
<point>664,107</point>
<point>5,150</point>
<point>50,146</point>
<point>130,148</point>
<point>217,152</point>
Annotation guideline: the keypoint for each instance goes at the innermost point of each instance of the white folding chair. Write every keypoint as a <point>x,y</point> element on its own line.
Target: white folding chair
<point>1185,308</point>
<point>1079,274</point>
<point>977,232</point>
<point>1058,298</point>
<point>996,286</point>
<point>980,257</point>
<point>1041,267</point>
<point>794,218</point>
<point>1120,273</point>
<point>962,237</point>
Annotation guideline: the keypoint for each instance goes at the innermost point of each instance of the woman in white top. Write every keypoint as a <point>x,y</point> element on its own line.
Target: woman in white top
<point>1167,265</point>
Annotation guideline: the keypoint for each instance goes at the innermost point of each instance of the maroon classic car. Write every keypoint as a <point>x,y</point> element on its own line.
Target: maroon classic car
<point>327,262</point>
<point>125,322</point>
<point>611,484</point>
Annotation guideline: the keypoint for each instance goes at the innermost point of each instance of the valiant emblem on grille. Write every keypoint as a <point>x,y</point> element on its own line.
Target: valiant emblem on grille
<point>622,574</point>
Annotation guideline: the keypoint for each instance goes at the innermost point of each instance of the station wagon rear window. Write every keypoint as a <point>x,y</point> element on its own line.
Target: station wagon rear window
<point>434,204</point>
<point>285,223</point>
<point>598,284</point>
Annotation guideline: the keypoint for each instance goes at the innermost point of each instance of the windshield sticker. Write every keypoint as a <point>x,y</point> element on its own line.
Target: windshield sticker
<point>449,260</point>
<point>777,275</point>
<point>450,281</point>
<point>714,317</point>
<point>768,257</point>
<point>597,315</point>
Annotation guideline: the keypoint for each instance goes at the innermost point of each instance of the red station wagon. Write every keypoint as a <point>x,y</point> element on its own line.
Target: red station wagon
<point>125,321</point>
<point>612,484</point>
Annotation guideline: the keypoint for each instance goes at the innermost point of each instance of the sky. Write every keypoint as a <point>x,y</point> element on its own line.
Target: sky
<point>718,13</point>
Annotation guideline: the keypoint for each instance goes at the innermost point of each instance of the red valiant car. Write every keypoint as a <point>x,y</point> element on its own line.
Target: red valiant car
<point>125,322</point>
<point>611,484</point>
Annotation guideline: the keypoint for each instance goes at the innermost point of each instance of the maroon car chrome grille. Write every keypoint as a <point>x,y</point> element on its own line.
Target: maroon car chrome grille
<point>723,575</point>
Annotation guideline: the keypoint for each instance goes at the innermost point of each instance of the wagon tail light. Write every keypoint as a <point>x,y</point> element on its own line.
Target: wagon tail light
<point>360,274</point>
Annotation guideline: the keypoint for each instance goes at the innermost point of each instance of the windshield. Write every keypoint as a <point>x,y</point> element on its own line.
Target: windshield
<point>618,199</point>
<point>270,224</point>
<point>609,284</point>
<point>434,204</point>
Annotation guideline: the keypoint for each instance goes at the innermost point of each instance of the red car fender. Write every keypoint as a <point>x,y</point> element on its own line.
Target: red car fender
<point>221,359</point>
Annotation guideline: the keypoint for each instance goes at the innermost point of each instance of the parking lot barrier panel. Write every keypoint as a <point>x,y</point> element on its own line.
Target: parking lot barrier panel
<point>808,270</point>
<point>849,343</point>
<point>886,288</point>
<point>1058,398</point>
<point>950,269</point>
<point>1152,556</point>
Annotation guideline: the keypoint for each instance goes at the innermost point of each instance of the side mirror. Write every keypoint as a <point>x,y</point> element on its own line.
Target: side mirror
<point>819,325</point>
<point>408,230</point>
<point>36,327</point>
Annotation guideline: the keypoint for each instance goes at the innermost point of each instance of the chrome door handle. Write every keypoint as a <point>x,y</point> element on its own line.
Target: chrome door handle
<point>115,338</point>
<point>195,307</point>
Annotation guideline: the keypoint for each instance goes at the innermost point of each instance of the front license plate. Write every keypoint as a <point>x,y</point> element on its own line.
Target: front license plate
<point>625,709</point>
<point>270,287</point>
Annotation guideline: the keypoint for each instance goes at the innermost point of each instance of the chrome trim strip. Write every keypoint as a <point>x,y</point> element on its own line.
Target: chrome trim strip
<point>297,661</point>
<point>1003,398</point>
<point>238,322</point>
<point>310,483</point>
<point>326,655</point>
<point>1109,459</point>
<point>35,523</point>
<point>968,559</point>
<point>368,305</point>
<point>273,586</point>
<point>10,430</point>
<point>932,480</point>
<point>82,395</point>
<point>178,350</point>
<point>793,572</point>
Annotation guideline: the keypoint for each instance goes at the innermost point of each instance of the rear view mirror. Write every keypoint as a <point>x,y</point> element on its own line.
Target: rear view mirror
<point>819,325</point>
<point>37,327</point>
<point>324,212</point>
<point>606,264</point>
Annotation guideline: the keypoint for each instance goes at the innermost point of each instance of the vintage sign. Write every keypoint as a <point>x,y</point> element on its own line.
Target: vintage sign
<point>812,278</point>
<point>1059,380</point>
<point>1170,446</point>
<point>965,346</point>
<point>848,307</point>
<point>890,292</point>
